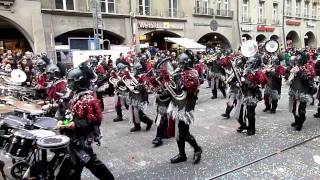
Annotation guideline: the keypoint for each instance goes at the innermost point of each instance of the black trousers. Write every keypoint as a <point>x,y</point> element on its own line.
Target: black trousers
<point>163,126</point>
<point>250,115</point>
<point>301,116</point>
<point>100,97</point>
<point>71,171</point>
<point>185,136</point>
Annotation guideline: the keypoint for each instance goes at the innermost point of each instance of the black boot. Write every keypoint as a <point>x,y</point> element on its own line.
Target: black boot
<point>214,94</point>
<point>119,115</point>
<point>296,121</point>
<point>136,128</point>
<point>228,111</point>
<point>223,92</point>
<point>145,119</point>
<point>274,106</point>
<point>268,107</point>
<point>317,115</point>
<point>157,142</point>
<point>181,157</point>
<point>197,149</point>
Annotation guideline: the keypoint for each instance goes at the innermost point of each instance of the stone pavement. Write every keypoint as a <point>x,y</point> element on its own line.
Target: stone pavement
<point>227,154</point>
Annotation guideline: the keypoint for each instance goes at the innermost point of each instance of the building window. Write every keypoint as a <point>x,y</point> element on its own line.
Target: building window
<point>275,14</point>
<point>306,10</point>
<point>108,6</point>
<point>219,5</point>
<point>245,11</point>
<point>260,13</point>
<point>65,4</point>
<point>288,7</point>
<point>198,6</point>
<point>205,7</point>
<point>226,5</point>
<point>173,6</point>
<point>314,11</point>
<point>298,8</point>
<point>144,7</point>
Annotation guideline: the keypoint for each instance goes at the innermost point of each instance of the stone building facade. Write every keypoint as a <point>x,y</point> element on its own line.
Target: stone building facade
<point>225,23</point>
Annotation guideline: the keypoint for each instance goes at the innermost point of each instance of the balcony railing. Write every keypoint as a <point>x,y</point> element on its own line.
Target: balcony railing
<point>298,15</point>
<point>314,17</point>
<point>306,16</point>
<point>224,13</point>
<point>157,13</point>
<point>262,21</point>
<point>246,20</point>
<point>203,11</point>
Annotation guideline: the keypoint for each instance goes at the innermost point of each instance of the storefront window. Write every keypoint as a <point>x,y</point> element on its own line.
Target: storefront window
<point>144,7</point>
<point>198,6</point>
<point>108,6</point>
<point>65,4</point>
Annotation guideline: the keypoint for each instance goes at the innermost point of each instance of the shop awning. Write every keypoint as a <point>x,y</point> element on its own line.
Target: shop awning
<point>187,43</point>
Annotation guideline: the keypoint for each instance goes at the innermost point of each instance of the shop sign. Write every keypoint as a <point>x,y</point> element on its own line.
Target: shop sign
<point>310,24</point>
<point>246,28</point>
<point>159,25</point>
<point>265,28</point>
<point>293,23</point>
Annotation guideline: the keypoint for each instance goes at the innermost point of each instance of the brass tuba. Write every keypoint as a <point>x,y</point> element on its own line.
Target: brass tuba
<point>272,46</point>
<point>249,48</point>
<point>114,78</point>
<point>170,85</point>
<point>130,81</point>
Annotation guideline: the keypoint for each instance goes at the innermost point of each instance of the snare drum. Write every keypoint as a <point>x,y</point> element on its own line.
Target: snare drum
<point>16,122</point>
<point>20,144</point>
<point>53,142</point>
<point>46,123</point>
<point>40,133</point>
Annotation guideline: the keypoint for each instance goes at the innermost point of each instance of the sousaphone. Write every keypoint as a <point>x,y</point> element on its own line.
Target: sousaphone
<point>272,46</point>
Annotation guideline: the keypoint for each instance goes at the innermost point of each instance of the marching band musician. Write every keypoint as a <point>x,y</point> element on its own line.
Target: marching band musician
<point>217,74</point>
<point>272,92</point>
<point>163,99</point>
<point>121,94</point>
<point>187,81</point>
<point>84,119</point>
<point>138,100</point>
<point>301,87</point>
<point>317,71</point>
<point>41,77</point>
<point>252,78</point>
<point>56,85</point>
<point>234,93</point>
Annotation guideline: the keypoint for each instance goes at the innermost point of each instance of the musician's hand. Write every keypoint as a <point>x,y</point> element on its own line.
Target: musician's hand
<point>71,125</point>
<point>60,124</point>
<point>237,84</point>
<point>131,88</point>
<point>41,103</point>
<point>46,107</point>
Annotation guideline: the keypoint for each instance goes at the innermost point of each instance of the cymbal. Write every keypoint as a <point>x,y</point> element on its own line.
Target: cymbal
<point>29,107</point>
<point>8,98</point>
<point>18,76</point>
<point>6,108</point>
